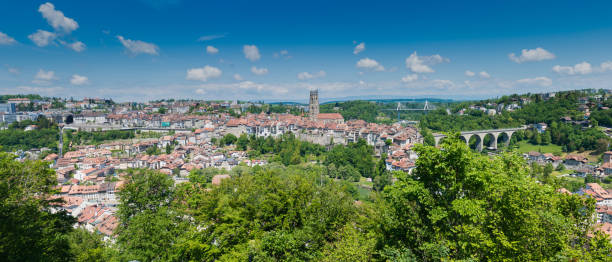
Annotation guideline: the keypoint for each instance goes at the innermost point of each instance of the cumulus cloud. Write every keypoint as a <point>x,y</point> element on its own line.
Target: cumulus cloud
<point>211,50</point>
<point>44,77</point>
<point>259,71</point>
<point>528,55</point>
<point>200,91</point>
<point>540,81</point>
<point>371,64</point>
<point>56,18</point>
<point>469,73</point>
<point>136,47</point>
<point>422,64</point>
<point>238,77</point>
<point>359,48</point>
<point>410,78</point>
<point>6,39</point>
<point>306,75</point>
<point>42,38</point>
<point>578,69</point>
<point>251,52</point>
<point>203,73</point>
<point>606,66</point>
<point>484,74</point>
<point>79,80</point>
<point>77,46</point>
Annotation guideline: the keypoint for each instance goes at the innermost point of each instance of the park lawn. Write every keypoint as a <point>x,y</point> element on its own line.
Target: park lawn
<point>364,193</point>
<point>525,147</point>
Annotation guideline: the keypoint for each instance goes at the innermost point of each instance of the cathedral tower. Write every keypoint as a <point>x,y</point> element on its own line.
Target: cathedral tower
<point>313,108</point>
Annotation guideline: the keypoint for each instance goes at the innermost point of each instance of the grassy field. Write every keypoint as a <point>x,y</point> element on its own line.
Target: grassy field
<point>364,188</point>
<point>525,147</point>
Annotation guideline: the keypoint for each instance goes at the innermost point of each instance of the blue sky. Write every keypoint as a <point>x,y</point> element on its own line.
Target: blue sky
<point>139,50</point>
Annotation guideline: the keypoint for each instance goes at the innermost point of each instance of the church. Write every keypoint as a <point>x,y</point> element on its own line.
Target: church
<point>313,109</point>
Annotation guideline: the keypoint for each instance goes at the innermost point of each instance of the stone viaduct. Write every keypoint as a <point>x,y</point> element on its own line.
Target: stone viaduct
<point>505,133</point>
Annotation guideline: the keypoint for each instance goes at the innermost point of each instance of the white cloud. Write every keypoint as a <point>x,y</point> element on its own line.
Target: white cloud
<point>44,77</point>
<point>540,81</point>
<point>422,64</point>
<point>372,64</point>
<point>359,48</point>
<point>211,50</point>
<point>528,55</point>
<point>251,52</point>
<point>211,37</point>
<point>78,80</point>
<point>6,39</point>
<point>56,18</point>
<point>203,74</point>
<point>410,78</point>
<point>606,66</point>
<point>578,69</point>
<point>77,46</point>
<point>282,53</point>
<point>259,71</point>
<point>306,75</point>
<point>42,38</point>
<point>200,91</point>
<point>484,74</point>
<point>441,83</point>
<point>13,70</point>
<point>238,77</point>
<point>565,70</point>
<point>136,47</point>
<point>583,68</point>
<point>469,73</point>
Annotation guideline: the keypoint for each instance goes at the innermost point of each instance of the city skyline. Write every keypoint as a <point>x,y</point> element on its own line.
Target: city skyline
<point>145,50</point>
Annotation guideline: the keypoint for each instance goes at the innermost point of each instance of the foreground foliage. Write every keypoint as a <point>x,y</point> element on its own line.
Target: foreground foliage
<point>456,206</point>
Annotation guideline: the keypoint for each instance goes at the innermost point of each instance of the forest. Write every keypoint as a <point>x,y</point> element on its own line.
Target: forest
<point>456,206</point>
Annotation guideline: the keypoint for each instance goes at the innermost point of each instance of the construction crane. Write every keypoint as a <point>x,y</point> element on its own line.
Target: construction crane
<point>399,108</point>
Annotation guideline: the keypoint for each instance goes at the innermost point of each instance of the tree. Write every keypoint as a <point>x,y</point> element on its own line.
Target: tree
<point>87,246</point>
<point>458,205</point>
<point>228,139</point>
<point>29,231</point>
<point>147,225</point>
<point>548,169</point>
<point>560,167</point>
<point>383,180</point>
<point>242,142</point>
<point>353,245</point>
<point>381,165</point>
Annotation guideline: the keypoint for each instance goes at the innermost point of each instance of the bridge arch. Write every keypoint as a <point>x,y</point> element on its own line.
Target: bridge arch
<point>490,138</point>
<point>475,142</point>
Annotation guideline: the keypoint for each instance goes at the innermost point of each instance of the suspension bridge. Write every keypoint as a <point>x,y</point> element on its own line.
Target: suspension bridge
<point>399,108</point>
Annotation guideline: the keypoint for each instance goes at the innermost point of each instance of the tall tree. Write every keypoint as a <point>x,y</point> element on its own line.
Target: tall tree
<point>29,231</point>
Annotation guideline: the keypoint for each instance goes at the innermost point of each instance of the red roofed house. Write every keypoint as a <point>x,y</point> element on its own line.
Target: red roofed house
<point>331,118</point>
